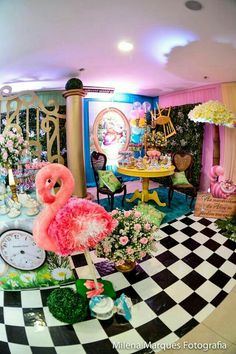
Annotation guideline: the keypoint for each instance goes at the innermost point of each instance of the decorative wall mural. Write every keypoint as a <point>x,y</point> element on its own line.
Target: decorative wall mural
<point>111,133</point>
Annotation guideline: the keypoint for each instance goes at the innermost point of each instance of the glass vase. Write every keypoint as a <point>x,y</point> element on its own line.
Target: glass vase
<point>128,266</point>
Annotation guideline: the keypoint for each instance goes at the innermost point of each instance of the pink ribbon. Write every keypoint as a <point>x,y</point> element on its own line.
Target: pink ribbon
<point>90,284</point>
<point>94,292</point>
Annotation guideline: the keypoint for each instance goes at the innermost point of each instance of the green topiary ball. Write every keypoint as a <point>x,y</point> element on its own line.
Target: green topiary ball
<point>67,306</point>
<point>73,84</point>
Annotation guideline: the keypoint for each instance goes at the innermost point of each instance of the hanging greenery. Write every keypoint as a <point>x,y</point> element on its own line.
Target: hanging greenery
<point>227,227</point>
<point>42,135</point>
<point>188,138</point>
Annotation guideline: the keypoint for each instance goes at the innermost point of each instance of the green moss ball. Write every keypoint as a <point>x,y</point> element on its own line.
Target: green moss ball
<point>67,306</point>
<point>73,84</point>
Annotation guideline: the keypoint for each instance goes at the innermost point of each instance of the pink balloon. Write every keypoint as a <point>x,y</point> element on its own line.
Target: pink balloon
<point>141,113</point>
<point>134,114</point>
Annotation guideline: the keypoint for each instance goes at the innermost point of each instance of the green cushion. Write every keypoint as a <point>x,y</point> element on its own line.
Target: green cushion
<point>101,183</point>
<point>152,215</point>
<point>179,178</point>
<point>108,179</point>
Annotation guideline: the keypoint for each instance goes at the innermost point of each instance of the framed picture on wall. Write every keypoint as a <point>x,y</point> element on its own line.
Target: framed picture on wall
<point>111,133</point>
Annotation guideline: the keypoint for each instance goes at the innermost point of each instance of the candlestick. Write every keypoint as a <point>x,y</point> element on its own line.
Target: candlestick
<point>14,194</point>
<point>11,179</point>
<point>12,184</point>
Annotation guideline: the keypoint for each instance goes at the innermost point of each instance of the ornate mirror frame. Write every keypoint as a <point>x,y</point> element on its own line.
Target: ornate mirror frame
<point>110,128</point>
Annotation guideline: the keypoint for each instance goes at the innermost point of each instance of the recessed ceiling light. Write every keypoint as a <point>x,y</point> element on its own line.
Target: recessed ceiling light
<point>125,46</point>
<point>193,5</point>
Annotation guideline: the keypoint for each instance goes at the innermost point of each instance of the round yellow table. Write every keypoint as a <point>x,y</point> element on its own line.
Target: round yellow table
<point>144,195</point>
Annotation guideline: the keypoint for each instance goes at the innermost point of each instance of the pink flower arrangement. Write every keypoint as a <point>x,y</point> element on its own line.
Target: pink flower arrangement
<point>12,144</point>
<point>132,239</point>
<point>36,165</point>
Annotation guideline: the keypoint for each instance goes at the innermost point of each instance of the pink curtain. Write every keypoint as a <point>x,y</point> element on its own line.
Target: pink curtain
<point>229,99</point>
<point>207,156</point>
<point>230,154</point>
<point>199,95</point>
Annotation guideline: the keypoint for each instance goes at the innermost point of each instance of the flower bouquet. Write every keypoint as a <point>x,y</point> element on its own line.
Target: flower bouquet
<point>155,140</point>
<point>212,112</point>
<point>26,177</point>
<point>132,239</point>
<point>12,145</point>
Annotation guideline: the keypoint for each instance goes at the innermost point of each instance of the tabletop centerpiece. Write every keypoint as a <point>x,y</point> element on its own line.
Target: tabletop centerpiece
<point>131,240</point>
<point>154,140</point>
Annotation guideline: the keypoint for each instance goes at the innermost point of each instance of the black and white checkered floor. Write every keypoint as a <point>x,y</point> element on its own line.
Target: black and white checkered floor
<point>192,272</point>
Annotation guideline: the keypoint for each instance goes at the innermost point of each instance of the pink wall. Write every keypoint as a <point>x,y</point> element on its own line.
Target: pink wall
<point>196,95</point>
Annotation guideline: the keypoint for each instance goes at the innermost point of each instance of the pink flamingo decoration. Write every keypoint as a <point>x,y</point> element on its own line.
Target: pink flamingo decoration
<point>68,224</point>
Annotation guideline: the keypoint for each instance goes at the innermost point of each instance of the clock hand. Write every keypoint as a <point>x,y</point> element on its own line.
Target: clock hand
<point>32,256</point>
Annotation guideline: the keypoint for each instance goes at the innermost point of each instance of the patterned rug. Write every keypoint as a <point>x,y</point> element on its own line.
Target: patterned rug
<point>179,205</point>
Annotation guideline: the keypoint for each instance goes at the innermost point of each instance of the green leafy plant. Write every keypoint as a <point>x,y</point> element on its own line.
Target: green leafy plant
<point>188,138</point>
<point>67,306</point>
<point>228,227</point>
<point>56,261</point>
<point>32,113</point>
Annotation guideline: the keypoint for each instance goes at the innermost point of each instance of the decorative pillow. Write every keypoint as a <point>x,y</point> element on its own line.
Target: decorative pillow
<point>100,173</point>
<point>108,179</point>
<point>152,215</point>
<point>179,178</point>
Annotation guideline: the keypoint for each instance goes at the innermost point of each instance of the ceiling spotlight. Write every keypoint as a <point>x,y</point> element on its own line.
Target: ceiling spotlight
<point>125,46</point>
<point>193,5</point>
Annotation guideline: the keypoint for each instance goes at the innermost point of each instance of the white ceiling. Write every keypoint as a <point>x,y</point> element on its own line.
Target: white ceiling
<point>43,43</point>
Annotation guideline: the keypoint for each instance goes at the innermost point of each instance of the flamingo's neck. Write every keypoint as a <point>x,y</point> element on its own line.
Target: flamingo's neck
<point>46,180</point>
<point>64,193</point>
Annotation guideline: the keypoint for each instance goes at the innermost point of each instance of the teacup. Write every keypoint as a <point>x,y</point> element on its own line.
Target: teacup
<point>4,210</point>
<point>102,309</point>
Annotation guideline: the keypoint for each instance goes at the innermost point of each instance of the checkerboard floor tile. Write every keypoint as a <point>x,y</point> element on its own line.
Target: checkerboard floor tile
<point>192,271</point>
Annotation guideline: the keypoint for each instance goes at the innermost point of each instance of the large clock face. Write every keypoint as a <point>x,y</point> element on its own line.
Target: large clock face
<point>19,250</point>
